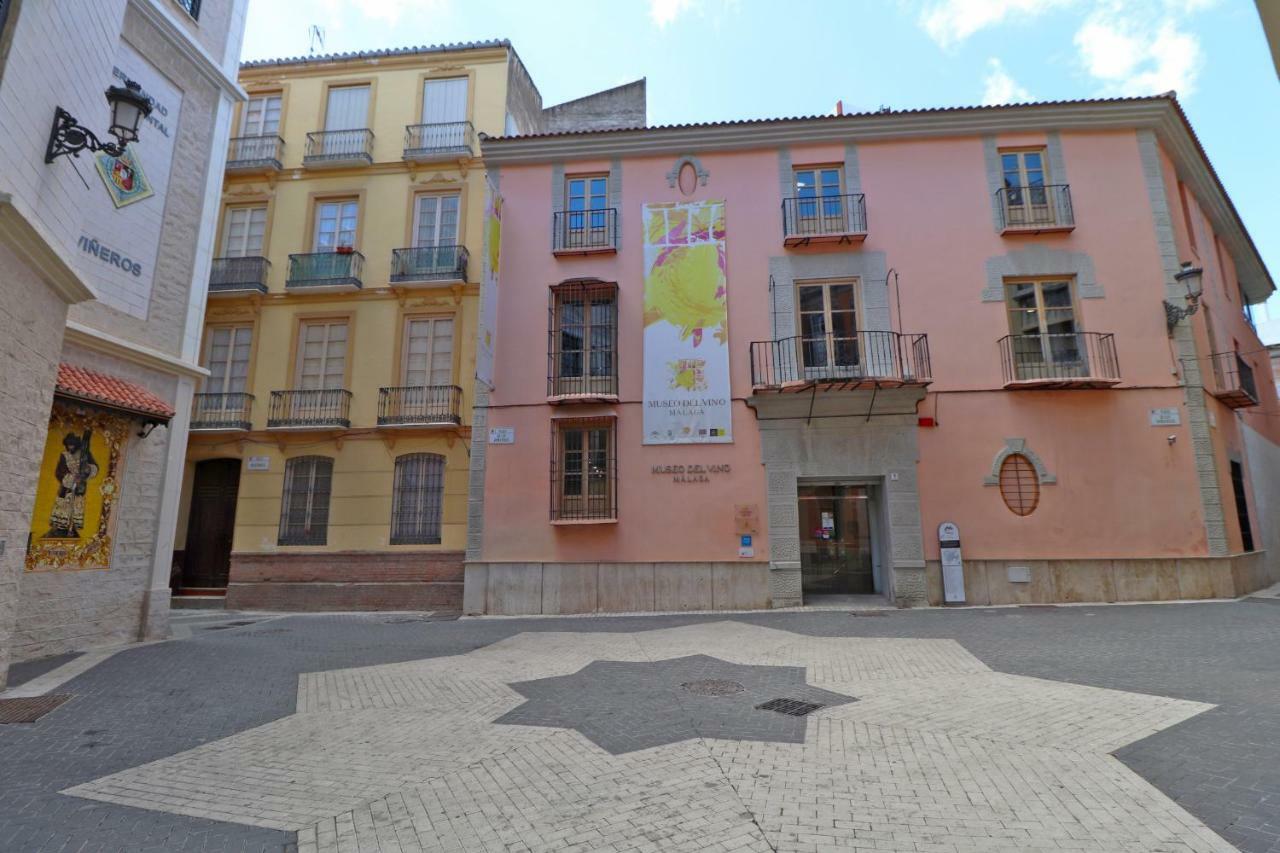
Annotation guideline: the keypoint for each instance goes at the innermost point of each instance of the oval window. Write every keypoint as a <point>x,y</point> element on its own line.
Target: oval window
<point>1019,484</point>
<point>688,179</point>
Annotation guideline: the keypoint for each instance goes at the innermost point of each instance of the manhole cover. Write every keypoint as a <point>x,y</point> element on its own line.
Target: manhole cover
<point>31,709</point>
<point>790,707</point>
<point>712,687</point>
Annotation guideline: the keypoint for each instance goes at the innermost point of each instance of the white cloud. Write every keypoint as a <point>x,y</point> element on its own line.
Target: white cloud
<point>665,12</point>
<point>1002,88</point>
<point>949,22</point>
<point>1141,48</point>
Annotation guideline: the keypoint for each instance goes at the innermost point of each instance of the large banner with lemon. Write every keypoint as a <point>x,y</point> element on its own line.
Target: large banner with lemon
<point>686,331</point>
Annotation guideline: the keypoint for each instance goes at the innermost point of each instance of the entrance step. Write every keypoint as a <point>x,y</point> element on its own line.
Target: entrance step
<point>197,602</point>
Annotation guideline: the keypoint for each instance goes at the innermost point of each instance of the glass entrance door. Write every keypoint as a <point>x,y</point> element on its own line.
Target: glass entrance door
<point>836,555</point>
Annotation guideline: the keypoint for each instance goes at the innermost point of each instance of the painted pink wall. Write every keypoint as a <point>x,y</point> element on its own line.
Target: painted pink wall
<point>1122,489</point>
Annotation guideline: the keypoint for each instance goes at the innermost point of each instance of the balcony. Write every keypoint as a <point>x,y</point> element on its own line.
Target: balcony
<point>831,363</point>
<point>321,271</point>
<point>254,154</point>
<point>1234,383</point>
<point>238,276</point>
<point>584,232</point>
<point>335,149</point>
<point>1036,209</point>
<point>824,219</point>
<point>420,405</point>
<point>430,143</point>
<point>1069,360</point>
<point>222,412</point>
<point>429,264</point>
<point>328,408</point>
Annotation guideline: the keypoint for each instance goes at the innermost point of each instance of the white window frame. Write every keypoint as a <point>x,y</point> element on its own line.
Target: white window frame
<point>341,205</point>
<point>246,238</point>
<point>326,358</point>
<point>222,373</point>
<point>431,368</point>
<point>256,112</point>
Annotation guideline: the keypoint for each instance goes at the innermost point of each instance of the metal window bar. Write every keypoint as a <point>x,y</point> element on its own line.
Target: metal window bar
<point>427,263</point>
<point>420,404</point>
<point>873,356</point>
<point>417,499</point>
<point>321,269</point>
<point>304,503</point>
<point>439,138</point>
<point>824,216</point>
<point>584,470</point>
<point>1062,356</point>
<point>249,273</point>
<point>340,145</point>
<point>221,411</point>
<point>582,340</point>
<point>585,230</point>
<point>328,407</point>
<point>1038,206</point>
<point>255,149</point>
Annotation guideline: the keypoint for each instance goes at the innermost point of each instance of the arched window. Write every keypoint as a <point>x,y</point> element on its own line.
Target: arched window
<point>304,504</point>
<point>417,499</point>
<point>1019,484</point>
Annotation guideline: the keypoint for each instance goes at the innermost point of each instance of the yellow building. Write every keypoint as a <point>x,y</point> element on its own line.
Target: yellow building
<point>328,459</point>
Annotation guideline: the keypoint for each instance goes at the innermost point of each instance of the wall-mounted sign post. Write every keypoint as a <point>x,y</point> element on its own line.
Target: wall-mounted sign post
<point>952,564</point>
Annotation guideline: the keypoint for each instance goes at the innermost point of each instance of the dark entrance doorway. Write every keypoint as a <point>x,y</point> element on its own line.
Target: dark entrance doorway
<point>836,552</point>
<point>207,560</point>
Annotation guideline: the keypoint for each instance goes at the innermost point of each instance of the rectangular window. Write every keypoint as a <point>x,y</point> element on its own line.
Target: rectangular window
<point>191,7</point>
<point>1242,506</point>
<point>227,357</point>
<point>435,220</point>
<point>584,471</point>
<point>242,232</point>
<point>444,101</point>
<point>584,337</point>
<point>1026,200</point>
<point>828,318</point>
<point>304,504</point>
<point>417,499</point>
<point>586,221</point>
<point>347,108</point>
<point>335,225</point>
<point>261,116</point>
<point>819,206</point>
<point>322,359</point>
<point>1042,321</point>
<point>428,351</point>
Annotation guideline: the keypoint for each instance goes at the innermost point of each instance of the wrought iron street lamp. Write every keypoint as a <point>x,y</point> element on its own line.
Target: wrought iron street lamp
<point>1191,277</point>
<point>128,108</point>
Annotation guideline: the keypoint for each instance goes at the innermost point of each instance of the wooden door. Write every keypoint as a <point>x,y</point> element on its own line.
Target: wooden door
<point>207,560</point>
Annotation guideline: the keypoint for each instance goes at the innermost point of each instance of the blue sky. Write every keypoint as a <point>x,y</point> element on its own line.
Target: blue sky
<point>709,60</point>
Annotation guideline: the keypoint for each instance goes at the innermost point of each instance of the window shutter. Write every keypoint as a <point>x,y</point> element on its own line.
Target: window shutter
<point>348,108</point>
<point>444,101</point>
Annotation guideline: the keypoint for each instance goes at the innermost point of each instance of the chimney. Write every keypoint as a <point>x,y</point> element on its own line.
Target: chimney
<point>840,108</point>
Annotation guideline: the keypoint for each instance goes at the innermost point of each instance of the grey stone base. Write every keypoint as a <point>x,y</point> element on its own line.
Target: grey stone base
<point>784,585</point>
<point>514,589</point>
<point>910,587</point>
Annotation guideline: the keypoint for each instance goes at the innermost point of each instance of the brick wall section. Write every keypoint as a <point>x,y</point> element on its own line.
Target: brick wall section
<point>351,580</point>
<point>31,321</point>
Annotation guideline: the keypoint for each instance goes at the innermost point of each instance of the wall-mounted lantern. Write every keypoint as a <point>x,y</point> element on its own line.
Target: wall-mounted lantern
<point>128,108</point>
<point>1191,278</point>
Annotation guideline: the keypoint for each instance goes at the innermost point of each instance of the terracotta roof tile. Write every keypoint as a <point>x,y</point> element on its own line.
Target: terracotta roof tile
<point>94,387</point>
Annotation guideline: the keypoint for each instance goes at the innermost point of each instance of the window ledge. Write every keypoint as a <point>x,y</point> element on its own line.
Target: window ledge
<point>581,522</point>
<point>555,399</point>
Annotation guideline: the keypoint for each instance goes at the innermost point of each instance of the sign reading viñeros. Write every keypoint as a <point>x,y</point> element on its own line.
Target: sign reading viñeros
<point>686,325</point>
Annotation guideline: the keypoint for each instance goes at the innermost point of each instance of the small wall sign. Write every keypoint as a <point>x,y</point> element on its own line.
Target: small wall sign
<point>258,463</point>
<point>1166,417</point>
<point>746,519</point>
<point>502,435</point>
<point>952,563</point>
<point>745,547</point>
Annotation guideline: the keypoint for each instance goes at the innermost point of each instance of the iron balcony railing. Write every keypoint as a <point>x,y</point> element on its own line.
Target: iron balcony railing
<point>1073,358</point>
<point>339,146</point>
<point>829,216</point>
<point>229,275</point>
<point>428,141</point>
<point>863,358</point>
<point>585,230</point>
<point>1035,208</point>
<point>229,411</point>
<point>1234,382</point>
<point>251,152</point>
<point>321,407</point>
<point>326,269</point>
<point>429,263</point>
<point>408,405</point>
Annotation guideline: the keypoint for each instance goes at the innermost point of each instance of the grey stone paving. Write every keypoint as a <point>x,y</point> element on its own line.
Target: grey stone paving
<point>1222,766</point>
<point>21,673</point>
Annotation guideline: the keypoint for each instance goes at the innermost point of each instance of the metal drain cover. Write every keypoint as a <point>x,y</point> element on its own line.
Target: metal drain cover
<point>790,707</point>
<point>712,687</point>
<point>31,709</point>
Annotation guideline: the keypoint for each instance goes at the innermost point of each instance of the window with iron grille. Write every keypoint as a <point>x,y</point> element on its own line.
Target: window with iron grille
<point>192,7</point>
<point>1242,506</point>
<point>584,470</point>
<point>417,499</point>
<point>1019,484</point>
<point>304,506</point>
<point>583,339</point>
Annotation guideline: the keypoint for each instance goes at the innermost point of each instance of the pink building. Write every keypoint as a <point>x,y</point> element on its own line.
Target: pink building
<point>747,364</point>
